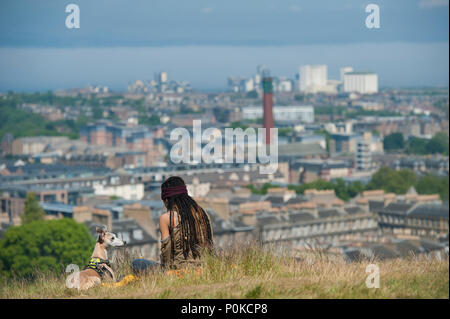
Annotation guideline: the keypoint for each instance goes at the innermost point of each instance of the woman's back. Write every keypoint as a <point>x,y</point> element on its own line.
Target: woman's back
<point>177,250</point>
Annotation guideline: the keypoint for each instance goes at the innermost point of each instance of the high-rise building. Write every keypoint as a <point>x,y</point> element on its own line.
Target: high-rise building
<point>247,85</point>
<point>313,78</point>
<point>162,79</point>
<point>345,69</point>
<point>361,82</point>
<point>363,156</point>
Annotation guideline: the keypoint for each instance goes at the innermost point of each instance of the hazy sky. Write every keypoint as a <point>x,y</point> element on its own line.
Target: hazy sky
<point>205,41</point>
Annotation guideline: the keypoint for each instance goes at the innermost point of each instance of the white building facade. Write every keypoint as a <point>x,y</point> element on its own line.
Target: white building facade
<point>303,114</point>
<point>361,82</point>
<point>313,78</point>
<point>344,70</point>
<point>125,191</point>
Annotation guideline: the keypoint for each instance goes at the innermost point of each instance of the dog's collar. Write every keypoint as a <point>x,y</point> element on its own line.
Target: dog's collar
<point>94,263</point>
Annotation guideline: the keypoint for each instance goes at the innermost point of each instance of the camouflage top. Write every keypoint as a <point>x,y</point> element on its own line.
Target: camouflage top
<point>178,260</point>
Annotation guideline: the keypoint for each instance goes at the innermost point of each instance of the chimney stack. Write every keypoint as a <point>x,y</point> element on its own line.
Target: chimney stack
<point>268,105</point>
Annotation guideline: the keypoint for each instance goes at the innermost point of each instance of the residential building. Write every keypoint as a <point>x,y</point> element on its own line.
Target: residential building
<point>361,82</point>
<point>313,78</point>
<point>304,114</point>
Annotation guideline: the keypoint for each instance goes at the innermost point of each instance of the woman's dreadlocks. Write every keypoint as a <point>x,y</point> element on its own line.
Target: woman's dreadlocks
<point>196,230</point>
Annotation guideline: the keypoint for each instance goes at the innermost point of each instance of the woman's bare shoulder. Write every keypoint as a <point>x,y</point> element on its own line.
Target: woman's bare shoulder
<point>164,218</point>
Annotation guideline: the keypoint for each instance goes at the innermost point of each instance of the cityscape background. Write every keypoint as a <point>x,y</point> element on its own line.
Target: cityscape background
<point>204,42</point>
<point>362,116</point>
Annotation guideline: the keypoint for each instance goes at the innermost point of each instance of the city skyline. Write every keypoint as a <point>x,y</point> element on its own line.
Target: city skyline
<point>118,43</point>
<point>80,67</point>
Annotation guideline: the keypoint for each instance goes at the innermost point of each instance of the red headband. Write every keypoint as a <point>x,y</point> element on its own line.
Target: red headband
<point>172,191</point>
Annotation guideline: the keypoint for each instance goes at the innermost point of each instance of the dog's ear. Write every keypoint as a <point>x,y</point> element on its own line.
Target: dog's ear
<point>105,228</point>
<point>101,234</point>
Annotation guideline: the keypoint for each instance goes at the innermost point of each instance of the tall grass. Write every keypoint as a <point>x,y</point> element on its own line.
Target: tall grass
<point>251,271</point>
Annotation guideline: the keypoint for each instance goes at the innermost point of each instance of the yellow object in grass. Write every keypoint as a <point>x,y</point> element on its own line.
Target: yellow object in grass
<point>181,272</point>
<point>125,281</point>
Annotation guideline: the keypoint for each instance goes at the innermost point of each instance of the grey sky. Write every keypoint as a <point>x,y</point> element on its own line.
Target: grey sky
<point>204,41</point>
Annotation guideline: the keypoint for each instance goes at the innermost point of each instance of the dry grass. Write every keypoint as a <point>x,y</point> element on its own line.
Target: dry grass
<point>253,272</point>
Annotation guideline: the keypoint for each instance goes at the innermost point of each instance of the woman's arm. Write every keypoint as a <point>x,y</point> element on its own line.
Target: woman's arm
<point>164,225</point>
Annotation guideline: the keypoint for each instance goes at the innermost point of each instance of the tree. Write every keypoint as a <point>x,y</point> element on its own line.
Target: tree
<point>262,190</point>
<point>438,144</point>
<point>97,112</point>
<point>239,125</point>
<point>251,94</point>
<point>44,246</point>
<point>299,97</point>
<point>392,181</point>
<point>285,131</point>
<point>431,184</point>
<point>340,189</point>
<point>222,115</point>
<point>393,141</point>
<point>150,121</point>
<point>417,146</point>
<point>33,211</point>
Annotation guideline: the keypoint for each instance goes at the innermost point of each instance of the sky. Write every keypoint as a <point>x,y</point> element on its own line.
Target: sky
<point>205,41</point>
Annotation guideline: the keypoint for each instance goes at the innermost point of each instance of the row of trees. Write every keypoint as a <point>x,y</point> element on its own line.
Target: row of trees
<point>437,144</point>
<point>350,113</point>
<point>389,180</point>
<point>32,124</point>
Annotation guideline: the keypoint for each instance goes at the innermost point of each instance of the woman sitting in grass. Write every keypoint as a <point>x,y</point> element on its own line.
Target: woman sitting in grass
<point>185,229</point>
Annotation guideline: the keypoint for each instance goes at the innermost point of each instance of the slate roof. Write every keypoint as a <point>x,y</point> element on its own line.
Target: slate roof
<point>327,213</point>
<point>430,211</point>
<point>407,249</point>
<point>221,226</point>
<point>238,200</point>
<point>353,210</point>
<point>301,149</point>
<point>353,254</point>
<point>274,200</point>
<point>300,217</point>
<point>268,220</point>
<point>383,252</point>
<point>428,246</point>
<point>397,208</point>
<point>398,248</point>
<point>296,200</point>
<point>132,232</point>
<point>375,206</point>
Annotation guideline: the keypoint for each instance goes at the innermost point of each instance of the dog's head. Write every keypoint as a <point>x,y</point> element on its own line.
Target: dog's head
<point>108,239</point>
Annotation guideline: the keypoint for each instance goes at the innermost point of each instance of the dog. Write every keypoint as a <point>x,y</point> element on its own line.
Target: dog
<point>99,268</point>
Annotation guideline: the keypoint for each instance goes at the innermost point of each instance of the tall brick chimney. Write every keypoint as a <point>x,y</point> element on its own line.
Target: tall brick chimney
<point>267,105</point>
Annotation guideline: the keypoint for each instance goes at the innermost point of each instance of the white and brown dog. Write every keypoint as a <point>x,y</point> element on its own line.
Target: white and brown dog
<point>99,268</point>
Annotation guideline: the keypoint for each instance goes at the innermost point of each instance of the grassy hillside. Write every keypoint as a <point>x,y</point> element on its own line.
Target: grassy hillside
<point>255,273</point>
